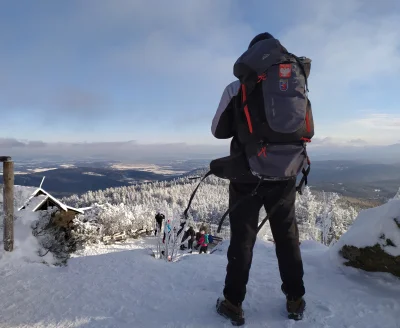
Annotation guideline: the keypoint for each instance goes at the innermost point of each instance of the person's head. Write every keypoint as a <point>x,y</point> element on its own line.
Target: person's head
<point>260,37</point>
<point>202,232</point>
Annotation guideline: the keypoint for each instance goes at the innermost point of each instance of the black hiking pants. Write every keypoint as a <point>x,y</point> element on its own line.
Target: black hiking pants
<point>244,223</point>
<point>190,244</point>
<point>203,249</point>
<point>158,227</point>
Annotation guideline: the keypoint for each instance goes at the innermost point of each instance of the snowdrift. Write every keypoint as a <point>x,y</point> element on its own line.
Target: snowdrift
<point>373,241</point>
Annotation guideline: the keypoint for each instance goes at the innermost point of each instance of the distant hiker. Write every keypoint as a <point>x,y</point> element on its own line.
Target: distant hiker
<point>184,237</point>
<point>268,115</point>
<point>203,242</point>
<point>210,239</point>
<point>192,235</point>
<point>167,229</point>
<point>198,235</point>
<point>189,234</point>
<point>159,219</point>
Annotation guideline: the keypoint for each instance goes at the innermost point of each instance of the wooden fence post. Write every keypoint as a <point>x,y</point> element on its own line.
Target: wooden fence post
<point>8,202</point>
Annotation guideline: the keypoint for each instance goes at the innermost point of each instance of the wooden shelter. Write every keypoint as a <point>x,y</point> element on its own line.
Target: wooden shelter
<point>41,200</point>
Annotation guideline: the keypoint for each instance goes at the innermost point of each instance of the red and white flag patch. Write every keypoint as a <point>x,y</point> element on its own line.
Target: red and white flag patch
<point>285,70</point>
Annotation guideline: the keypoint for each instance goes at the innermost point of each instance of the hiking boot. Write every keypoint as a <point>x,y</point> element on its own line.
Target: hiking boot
<point>294,306</point>
<point>230,311</point>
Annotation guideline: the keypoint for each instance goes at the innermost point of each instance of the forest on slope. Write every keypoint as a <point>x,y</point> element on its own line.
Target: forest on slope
<point>323,217</point>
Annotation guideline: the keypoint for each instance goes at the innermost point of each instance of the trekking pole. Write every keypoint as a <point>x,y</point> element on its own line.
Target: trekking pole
<point>262,224</point>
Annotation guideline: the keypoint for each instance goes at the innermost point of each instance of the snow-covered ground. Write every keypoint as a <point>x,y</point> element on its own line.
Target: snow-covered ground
<point>123,286</point>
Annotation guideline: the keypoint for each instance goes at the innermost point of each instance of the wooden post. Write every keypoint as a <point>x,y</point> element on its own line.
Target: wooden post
<point>8,202</point>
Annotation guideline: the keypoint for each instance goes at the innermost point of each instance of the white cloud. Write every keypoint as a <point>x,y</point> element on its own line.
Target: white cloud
<point>372,128</point>
<point>381,122</point>
<point>348,46</point>
<point>191,41</point>
<point>337,142</point>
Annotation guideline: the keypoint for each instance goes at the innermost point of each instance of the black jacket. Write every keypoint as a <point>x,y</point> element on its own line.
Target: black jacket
<point>191,233</point>
<point>159,218</point>
<point>224,127</point>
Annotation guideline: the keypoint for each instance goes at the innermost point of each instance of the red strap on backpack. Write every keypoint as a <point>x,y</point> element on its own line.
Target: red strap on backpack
<point>246,109</point>
<point>262,77</point>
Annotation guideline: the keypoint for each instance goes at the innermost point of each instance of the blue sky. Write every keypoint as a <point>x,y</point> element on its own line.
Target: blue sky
<point>154,71</point>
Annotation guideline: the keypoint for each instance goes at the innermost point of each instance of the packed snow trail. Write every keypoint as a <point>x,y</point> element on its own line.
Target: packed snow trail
<point>123,286</point>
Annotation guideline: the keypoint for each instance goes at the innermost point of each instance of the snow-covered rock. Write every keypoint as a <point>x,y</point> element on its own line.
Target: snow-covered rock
<point>373,241</point>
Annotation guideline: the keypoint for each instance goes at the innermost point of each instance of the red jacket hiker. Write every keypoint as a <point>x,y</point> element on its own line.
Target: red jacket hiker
<point>202,241</point>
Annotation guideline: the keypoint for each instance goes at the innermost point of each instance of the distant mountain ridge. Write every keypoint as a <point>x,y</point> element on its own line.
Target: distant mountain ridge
<point>356,179</point>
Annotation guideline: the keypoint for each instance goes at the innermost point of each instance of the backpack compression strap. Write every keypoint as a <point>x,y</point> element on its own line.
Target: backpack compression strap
<point>304,179</point>
<point>244,102</point>
<point>246,108</point>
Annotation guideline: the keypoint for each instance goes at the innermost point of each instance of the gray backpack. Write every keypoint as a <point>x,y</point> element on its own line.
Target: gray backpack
<point>274,119</point>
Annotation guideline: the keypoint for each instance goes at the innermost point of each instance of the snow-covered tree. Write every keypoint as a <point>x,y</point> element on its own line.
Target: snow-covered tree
<point>134,207</point>
<point>325,217</point>
<point>307,209</point>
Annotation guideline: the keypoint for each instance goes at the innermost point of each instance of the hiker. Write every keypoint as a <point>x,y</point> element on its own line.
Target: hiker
<point>268,116</point>
<point>167,229</point>
<point>203,242</point>
<point>198,235</point>
<point>184,237</point>
<point>191,235</point>
<point>159,219</point>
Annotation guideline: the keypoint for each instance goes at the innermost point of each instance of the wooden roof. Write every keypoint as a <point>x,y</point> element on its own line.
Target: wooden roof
<point>48,198</point>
